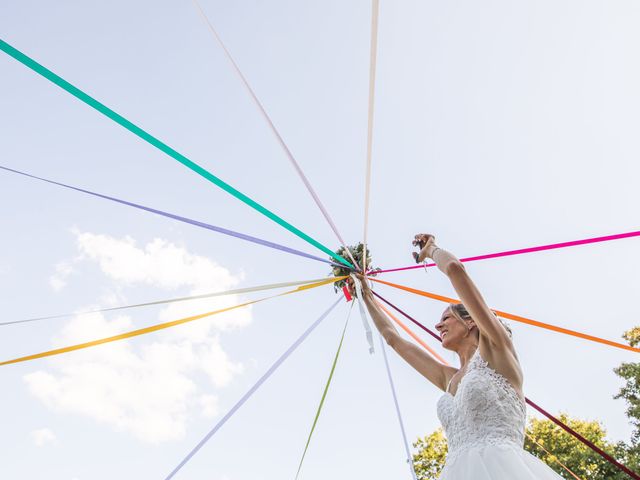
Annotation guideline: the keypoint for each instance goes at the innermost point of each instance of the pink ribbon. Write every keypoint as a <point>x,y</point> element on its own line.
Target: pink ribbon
<point>541,248</point>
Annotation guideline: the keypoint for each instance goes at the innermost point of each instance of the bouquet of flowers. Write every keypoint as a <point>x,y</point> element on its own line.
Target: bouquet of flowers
<point>357,251</point>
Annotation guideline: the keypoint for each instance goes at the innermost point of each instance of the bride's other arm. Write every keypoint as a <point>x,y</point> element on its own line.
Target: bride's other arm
<point>414,355</point>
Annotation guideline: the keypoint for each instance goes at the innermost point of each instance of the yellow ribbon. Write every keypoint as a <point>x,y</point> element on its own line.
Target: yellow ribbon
<point>160,326</point>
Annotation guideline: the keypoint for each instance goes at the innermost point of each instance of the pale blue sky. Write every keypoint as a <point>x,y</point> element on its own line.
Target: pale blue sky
<point>498,125</point>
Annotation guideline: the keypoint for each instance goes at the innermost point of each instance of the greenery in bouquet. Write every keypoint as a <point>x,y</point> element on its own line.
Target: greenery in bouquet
<point>357,251</point>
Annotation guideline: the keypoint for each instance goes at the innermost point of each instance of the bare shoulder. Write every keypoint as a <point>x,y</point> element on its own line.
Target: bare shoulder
<point>504,360</point>
<point>449,373</point>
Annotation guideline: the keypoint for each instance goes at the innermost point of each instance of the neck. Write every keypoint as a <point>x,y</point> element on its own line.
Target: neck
<point>466,352</point>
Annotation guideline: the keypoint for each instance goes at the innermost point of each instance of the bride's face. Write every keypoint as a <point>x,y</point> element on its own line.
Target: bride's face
<point>453,331</point>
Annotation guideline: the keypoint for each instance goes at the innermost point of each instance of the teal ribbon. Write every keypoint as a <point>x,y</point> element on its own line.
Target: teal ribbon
<point>92,102</point>
<point>324,394</point>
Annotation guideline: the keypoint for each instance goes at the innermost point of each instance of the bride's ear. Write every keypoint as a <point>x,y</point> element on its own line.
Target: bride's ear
<point>471,326</point>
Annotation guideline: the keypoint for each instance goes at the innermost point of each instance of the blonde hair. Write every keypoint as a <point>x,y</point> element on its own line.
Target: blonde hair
<point>461,313</point>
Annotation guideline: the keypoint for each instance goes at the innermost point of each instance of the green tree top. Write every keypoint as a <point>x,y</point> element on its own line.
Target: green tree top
<point>630,392</point>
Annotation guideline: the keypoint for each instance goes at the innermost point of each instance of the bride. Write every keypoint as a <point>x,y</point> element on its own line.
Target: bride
<point>483,411</point>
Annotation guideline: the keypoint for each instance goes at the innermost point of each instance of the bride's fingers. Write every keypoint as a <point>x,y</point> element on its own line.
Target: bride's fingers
<point>422,238</point>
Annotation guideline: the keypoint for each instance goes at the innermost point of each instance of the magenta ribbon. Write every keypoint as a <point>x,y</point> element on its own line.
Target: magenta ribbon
<point>589,444</point>
<point>508,253</point>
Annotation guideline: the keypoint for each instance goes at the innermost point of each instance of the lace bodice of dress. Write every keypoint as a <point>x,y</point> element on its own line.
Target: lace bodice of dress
<point>486,410</point>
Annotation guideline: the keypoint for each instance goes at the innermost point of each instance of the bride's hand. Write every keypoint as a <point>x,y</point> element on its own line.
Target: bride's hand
<point>366,290</point>
<point>351,287</point>
<point>427,244</point>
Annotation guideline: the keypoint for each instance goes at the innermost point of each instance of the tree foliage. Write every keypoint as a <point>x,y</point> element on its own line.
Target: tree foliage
<point>564,449</point>
<point>432,451</point>
<point>630,372</point>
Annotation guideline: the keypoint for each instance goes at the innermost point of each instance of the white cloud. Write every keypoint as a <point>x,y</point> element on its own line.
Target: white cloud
<point>146,386</point>
<point>59,279</point>
<point>160,263</point>
<point>209,404</point>
<point>42,437</point>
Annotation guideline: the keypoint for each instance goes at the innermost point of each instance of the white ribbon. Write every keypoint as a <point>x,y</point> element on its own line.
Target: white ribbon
<point>397,405</point>
<point>275,131</point>
<point>375,6</point>
<point>363,314</point>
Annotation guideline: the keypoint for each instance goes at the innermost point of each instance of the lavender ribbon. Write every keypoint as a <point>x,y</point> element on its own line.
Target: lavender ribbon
<point>252,390</point>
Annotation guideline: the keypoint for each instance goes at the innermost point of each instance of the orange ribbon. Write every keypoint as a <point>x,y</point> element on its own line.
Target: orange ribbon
<point>515,318</point>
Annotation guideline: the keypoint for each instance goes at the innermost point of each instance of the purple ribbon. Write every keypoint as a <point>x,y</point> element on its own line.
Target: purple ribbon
<point>224,231</point>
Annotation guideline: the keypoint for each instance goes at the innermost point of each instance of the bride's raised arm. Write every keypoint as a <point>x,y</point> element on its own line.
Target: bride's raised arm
<point>488,324</point>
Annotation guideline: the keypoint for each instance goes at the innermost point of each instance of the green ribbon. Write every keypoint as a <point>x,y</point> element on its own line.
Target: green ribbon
<point>324,394</point>
<point>92,102</point>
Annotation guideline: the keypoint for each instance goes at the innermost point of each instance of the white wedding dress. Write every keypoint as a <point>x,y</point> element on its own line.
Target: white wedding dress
<point>484,424</point>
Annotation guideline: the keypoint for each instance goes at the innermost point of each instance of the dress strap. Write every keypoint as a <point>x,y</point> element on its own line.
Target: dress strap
<point>477,352</point>
<point>449,384</point>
